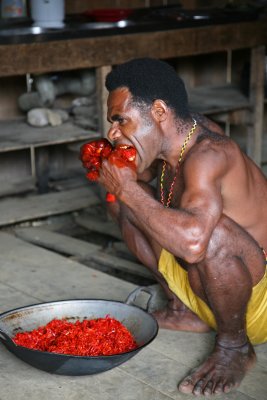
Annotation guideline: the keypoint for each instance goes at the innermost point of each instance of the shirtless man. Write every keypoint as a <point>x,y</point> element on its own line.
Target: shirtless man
<point>203,230</point>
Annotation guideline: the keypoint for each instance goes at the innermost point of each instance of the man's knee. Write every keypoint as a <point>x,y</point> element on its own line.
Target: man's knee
<point>231,239</point>
<point>226,238</point>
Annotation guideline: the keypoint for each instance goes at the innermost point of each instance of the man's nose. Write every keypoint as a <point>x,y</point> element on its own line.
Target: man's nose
<point>114,133</point>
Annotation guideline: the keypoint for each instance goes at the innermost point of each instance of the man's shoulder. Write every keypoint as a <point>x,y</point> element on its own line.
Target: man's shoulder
<point>210,144</point>
<point>211,154</point>
<point>211,137</point>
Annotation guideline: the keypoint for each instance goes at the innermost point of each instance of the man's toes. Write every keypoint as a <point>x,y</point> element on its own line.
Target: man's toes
<point>208,389</point>
<point>186,386</point>
<point>199,388</point>
<point>218,388</point>
<point>228,387</point>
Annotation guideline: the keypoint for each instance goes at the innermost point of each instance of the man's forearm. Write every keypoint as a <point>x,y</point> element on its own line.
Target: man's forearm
<point>178,231</point>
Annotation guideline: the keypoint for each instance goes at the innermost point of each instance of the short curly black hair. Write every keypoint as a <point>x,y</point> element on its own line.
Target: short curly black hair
<point>149,79</point>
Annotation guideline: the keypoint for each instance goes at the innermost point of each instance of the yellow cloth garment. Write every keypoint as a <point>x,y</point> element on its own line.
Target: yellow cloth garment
<point>178,282</point>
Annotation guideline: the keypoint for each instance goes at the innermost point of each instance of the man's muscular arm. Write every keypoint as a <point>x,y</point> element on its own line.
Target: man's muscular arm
<point>186,231</point>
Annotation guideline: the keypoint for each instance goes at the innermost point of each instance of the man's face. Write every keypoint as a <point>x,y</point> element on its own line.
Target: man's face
<point>128,126</point>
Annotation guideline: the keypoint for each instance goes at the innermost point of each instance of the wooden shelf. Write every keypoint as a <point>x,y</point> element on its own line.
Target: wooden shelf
<point>9,187</point>
<point>217,99</point>
<point>18,135</point>
<point>14,210</point>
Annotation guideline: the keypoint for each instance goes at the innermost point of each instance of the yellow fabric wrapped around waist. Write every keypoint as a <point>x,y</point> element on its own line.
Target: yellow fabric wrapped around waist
<point>178,282</point>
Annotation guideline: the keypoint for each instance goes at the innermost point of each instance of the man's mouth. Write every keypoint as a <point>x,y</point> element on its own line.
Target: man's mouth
<point>129,152</point>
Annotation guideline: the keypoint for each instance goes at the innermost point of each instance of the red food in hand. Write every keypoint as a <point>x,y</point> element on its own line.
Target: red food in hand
<point>95,337</point>
<point>95,148</point>
<point>92,175</point>
<point>94,162</point>
<point>93,153</point>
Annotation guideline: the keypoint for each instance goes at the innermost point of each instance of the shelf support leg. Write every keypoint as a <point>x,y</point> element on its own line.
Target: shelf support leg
<point>102,95</point>
<point>255,131</point>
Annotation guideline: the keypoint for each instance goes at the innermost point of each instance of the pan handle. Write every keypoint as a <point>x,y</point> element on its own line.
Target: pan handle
<point>4,336</point>
<point>135,293</point>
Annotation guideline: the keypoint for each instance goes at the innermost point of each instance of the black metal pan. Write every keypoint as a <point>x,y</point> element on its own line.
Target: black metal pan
<point>141,324</point>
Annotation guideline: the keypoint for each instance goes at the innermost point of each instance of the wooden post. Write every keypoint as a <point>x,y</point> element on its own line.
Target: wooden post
<point>102,95</point>
<point>42,168</point>
<point>257,103</point>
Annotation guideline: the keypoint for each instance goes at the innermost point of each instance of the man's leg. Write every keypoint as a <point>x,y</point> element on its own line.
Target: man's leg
<point>176,315</point>
<point>234,263</point>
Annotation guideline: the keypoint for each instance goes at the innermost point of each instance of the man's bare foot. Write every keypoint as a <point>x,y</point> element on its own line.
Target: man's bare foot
<point>221,372</point>
<point>180,320</point>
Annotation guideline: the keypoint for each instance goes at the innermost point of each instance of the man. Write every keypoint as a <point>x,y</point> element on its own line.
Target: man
<point>203,230</point>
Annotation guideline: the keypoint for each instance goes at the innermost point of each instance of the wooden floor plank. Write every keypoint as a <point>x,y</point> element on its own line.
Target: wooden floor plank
<point>96,225</point>
<point>84,251</point>
<point>29,273</point>
<point>57,241</point>
<point>14,210</point>
<point>120,249</point>
<point>121,264</point>
<point>49,276</point>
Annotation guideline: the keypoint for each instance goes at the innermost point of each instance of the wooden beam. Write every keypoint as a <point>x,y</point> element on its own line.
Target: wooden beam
<point>19,59</point>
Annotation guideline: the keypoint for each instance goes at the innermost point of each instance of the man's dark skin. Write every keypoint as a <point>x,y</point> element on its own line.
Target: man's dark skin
<point>218,209</point>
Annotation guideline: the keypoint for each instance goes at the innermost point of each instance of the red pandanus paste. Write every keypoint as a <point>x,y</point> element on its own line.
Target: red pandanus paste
<point>93,153</point>
<point>95,337</point>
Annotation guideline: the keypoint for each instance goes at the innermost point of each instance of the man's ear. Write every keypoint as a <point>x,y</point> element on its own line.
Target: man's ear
<point>159,110</point>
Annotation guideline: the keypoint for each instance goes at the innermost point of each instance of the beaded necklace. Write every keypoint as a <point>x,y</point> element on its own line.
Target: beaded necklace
<point>188,137</point>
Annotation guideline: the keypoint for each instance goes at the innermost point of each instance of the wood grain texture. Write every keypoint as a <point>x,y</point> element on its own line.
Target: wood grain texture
<point>17,135</point>
<point>19,59</point>
<point>215,99</point>
<point>57,241</point>
<point>96,225</point>
<point>15,210</point>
